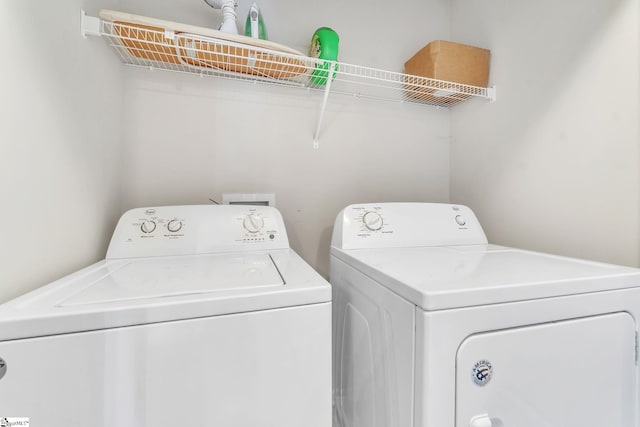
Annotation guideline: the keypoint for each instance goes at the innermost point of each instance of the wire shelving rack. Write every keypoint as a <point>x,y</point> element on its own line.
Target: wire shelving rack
<point>158,48</point>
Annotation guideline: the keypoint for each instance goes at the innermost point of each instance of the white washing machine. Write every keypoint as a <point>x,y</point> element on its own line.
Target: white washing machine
<point>434,327</point>
<point>198,316</point>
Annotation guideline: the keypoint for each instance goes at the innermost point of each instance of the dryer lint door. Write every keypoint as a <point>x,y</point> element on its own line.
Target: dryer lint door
<point>574,373</point>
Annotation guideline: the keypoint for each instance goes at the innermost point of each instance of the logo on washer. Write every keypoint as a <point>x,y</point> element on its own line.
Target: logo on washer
<point>482,372</point>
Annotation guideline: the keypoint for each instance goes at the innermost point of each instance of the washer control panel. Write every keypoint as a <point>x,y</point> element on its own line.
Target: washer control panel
<point>154,223</point>
<point>188,230</point>
<point>406,225</point>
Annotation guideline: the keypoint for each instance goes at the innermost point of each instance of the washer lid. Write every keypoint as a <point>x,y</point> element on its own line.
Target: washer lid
<point>127,292</point>
<point>138,279</point>
<point>436,278</point>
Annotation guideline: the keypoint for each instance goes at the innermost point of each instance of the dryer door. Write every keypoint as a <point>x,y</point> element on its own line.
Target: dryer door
<point>574,373</point>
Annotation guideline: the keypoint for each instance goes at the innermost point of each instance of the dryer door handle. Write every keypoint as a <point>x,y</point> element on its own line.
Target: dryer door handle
<point>485,421</point>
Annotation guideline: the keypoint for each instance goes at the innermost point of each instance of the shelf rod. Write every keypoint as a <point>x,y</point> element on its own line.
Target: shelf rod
<point>327,88</point>
<point>89,25</point>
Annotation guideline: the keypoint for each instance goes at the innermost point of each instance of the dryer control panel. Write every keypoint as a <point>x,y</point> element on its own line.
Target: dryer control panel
<point>199,229</point>
<point>386,225</point>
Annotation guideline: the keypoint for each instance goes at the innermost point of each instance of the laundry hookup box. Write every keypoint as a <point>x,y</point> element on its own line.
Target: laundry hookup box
<point>451,62</point>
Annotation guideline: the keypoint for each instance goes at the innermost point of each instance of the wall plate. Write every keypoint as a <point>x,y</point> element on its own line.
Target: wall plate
<point>261,199</point>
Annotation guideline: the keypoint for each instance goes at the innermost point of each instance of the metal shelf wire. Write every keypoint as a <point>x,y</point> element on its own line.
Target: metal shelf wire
<point>155,48</point>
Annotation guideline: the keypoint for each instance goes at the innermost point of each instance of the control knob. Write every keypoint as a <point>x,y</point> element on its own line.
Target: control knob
<point>372,220</point>
<point>253,223</point>
<point>148,226</point>
<point>174,225</point>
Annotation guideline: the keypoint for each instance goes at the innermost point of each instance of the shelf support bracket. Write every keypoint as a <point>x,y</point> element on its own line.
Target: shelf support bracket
<point>491,93</point>
<point>327,89</point>
<point>89,25</point>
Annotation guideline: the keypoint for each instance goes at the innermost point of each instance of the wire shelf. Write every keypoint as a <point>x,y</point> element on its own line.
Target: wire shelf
<point>149,47</point>
<point>151,43</point>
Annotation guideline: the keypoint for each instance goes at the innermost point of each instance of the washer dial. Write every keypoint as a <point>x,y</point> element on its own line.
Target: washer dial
<point>253,223</point>
<point>174,225</point>
<point>372,220</point>
<point>148,226</point>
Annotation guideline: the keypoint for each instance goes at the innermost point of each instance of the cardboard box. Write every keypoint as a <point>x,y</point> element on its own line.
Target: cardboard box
<point>450,61</point>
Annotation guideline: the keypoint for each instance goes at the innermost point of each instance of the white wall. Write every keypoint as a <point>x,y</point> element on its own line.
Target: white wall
<point>554,164</point>
<point>188,138</point>
<point>61,143</point>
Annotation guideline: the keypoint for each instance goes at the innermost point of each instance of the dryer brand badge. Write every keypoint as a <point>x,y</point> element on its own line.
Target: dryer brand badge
<point>482,372</point>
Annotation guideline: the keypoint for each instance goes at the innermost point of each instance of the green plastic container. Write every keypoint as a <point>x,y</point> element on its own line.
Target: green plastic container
<point>324,45</point>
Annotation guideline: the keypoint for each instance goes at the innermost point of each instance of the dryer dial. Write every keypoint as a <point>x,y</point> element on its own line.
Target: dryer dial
<point>372,220</point>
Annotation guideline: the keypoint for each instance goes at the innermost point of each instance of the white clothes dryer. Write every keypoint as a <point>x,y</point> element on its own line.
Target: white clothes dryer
<point>434,327</point>
<point>198,316</point>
